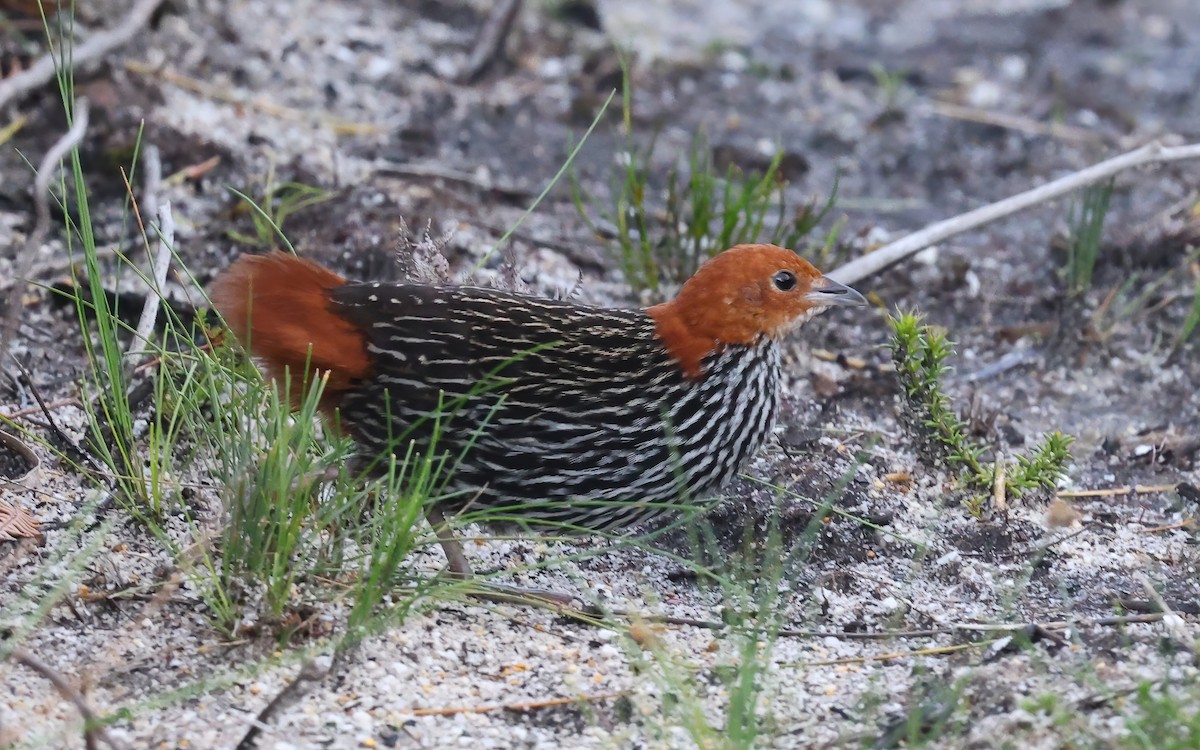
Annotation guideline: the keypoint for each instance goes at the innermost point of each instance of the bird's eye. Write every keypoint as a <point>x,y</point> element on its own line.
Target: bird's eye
<point>785,281</point>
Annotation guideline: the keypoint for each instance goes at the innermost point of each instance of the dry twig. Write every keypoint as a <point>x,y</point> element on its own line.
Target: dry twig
<point>1137,489</point>
<point>161,265</point>
<point>438,172</point>
<point>1013,122</point>
<point>935,651</point>
<point>1173,622</point>
<point>94,47</point>
<point>310,674</point>
<point>1003,627</point>
<point>527,706</point>
<point>160,260</point>
<point>1186,524</point>
<point>93,728</point>
<point>893,252</point>
<point>224,94</point>
<point>41,204</point>
<point>40,407</point>
<point>490,41</point>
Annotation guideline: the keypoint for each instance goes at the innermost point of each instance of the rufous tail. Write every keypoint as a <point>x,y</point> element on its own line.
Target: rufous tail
<point>279,307</point>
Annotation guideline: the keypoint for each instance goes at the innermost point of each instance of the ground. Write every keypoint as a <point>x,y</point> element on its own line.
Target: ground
<point>364,100</point>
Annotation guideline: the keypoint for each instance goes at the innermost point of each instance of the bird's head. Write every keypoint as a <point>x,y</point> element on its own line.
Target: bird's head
<point>742,295</point>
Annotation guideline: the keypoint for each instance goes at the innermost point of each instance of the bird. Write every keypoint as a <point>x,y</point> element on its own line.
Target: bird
<point>555,414</point>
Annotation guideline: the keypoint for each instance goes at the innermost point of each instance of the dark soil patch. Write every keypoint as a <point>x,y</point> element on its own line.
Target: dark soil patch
<point>12,463</point>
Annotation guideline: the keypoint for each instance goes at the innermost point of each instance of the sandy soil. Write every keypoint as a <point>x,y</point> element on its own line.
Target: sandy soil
<point>361,99</point>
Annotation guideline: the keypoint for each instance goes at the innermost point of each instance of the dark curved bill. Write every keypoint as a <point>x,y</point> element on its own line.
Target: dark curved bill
<point>826,291</point>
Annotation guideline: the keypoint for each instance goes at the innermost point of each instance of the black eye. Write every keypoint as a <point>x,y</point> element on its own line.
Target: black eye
<point>785,281</point>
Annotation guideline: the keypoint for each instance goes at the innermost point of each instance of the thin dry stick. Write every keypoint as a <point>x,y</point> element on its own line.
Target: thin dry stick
<point>93,729</point>
<point>1000,486</point>
<point>893,252</point>
<point>1012,122</point>
<point>692,622</point>
<point>310,674</point>
<point>935,651</point>
<point>1137,489</point>
<point>1185,524</point>
<point>1153,594</point>
<point>152,179</point>
<point>224,94</point>
<point>194,171</point>
<point>41,209</point>
<point>160,260</point>
<point>528,706</point>
<point>35,409</point>
<point>436,172</point>
<point>1173,622</point>
<point>94,47</point>
<point>1101,622</point>
<point>490,40</point>
<point>161,264</point>
<point>589,617</point>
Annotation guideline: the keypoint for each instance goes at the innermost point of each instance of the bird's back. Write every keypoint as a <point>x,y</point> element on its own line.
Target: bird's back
<point>559,408</point>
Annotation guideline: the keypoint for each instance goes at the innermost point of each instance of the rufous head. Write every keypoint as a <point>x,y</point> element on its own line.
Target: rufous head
<point>742,295</point>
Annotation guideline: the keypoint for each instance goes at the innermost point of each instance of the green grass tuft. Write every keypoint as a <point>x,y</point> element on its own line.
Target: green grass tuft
<point>661,235</point>
<point>269,213</point>
<point>1163,721</point>
<point>1192,321</point>
<point>1086,231</point>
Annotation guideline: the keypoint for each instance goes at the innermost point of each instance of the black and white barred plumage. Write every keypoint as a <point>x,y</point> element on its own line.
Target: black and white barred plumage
<point>568,414</point>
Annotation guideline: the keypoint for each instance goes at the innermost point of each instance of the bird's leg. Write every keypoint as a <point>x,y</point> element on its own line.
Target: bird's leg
<point>457,565</point>
<point>458,568</point>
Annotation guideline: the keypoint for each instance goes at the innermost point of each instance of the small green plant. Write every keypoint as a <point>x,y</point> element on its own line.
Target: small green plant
<point>109,399</point>
<point>891,83</point>
<point>931,716</point>
<point>277,204</point>
<point>1086,230</point>
<point>1163,721</point>
<point>920,352</point>
<point>1192,320</point>
<point>280,530</point>
<point>269,495</point>
<point>756,583</point>
<point>702,211</point>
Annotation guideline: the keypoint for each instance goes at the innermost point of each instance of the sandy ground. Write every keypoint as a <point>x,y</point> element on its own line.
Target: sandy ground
<point>360,99</point>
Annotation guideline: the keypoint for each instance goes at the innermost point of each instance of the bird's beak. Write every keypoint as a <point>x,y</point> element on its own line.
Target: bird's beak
<point>825,291</point>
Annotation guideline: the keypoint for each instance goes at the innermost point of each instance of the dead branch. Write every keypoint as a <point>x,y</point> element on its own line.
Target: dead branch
<point>490,41</point>
<point>590,615</point>
<point>41,204</point>
<point>94,47</point>
<point>93,728</point>
<point>40,407</point>
<point>260,104</point>
<point>1173,622</point>
<point>438,172</point>
<point>70,448</point>
<point>160,260</point>
<point>893,252</point>
<point>310,674</point>
<point>526,706</point>
<point>1140,489</point>
<point>1011,122</point>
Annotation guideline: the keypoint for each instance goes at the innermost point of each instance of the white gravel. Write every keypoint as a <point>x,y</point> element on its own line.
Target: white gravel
<point>178,684</point>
